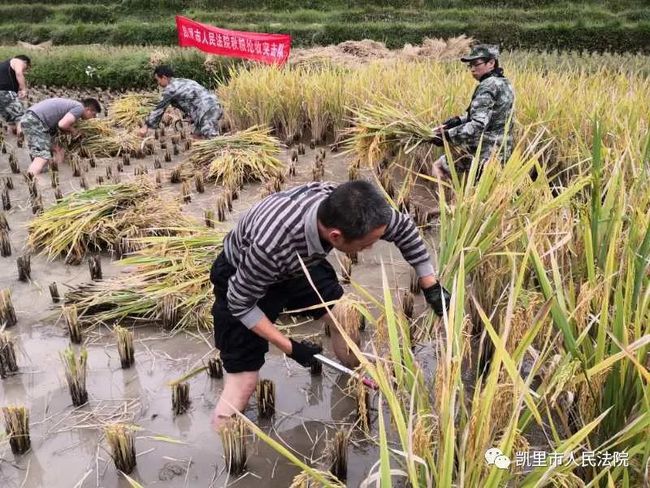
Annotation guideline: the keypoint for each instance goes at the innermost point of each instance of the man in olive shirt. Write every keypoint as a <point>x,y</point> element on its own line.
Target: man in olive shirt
<point>43,120</point>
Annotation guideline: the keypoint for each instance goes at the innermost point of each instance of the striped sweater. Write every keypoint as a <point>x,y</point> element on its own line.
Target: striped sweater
<point>266,241</point>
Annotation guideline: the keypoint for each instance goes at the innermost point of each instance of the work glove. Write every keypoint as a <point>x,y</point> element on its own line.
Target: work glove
<point>303,352</point>
<point>437,297</point>
<point>452,122</point>
<point>437,138</point>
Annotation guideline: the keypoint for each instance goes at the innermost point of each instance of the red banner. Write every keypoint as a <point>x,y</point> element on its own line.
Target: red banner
<point>268,48</point>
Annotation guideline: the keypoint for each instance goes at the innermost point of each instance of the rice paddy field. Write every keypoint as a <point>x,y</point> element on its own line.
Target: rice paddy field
<point>538,376</point>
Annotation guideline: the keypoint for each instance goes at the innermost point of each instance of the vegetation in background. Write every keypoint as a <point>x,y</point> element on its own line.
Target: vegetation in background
<point>542,24</point>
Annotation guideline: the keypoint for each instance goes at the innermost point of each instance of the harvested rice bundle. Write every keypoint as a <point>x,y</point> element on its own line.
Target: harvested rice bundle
<point>101,139</point>
<point>95,219</point>
<point>381,129</point>
<point>232,159</point>
<point>130,110</point>
<point>168,272</point>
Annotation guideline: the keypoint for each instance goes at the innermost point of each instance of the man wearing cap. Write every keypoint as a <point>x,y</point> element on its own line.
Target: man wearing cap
<point>487,121</point>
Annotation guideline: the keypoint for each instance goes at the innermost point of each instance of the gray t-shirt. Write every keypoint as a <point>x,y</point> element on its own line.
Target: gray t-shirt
<point>52,110</point>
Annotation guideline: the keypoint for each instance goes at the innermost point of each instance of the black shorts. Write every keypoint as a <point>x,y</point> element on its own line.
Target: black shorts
<point>242,349</point>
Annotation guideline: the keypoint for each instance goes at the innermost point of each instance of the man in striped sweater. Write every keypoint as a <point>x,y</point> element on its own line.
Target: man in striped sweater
<point>259,273</point>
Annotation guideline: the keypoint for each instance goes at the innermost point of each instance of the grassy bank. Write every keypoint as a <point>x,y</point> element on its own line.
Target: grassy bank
<point>590,26</point>
<point>118,68</point>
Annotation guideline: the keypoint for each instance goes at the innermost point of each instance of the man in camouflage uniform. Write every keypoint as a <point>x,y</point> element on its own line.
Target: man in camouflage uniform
<point>487,122</point>
<point>13,87</point>
<point>201,105</point>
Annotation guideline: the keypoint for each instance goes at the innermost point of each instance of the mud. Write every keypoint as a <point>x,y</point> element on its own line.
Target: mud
<point>68,448</point>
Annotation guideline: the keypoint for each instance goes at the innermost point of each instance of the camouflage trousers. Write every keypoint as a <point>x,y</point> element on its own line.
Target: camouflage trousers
<point>208,125</point>
<point>11,109</point>
<point>38,136</point>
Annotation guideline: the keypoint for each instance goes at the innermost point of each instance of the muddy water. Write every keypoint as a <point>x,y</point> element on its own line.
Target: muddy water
<point>68,448</point>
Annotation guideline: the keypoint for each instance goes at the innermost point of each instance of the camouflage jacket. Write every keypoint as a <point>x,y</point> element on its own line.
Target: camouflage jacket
<point>187,95</point>
<point>487,115</point>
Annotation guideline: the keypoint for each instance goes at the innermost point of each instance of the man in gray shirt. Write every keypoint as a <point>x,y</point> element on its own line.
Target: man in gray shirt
<point>43,120</point>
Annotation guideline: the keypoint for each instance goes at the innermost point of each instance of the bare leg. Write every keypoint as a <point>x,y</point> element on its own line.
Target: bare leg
<point>237,390</point>
<point>344,355</point>
<point>37,165</point>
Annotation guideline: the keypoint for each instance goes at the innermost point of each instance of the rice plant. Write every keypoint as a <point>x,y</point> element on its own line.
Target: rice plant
<point>233,440</point>
<point>95,267</point>
<point>121,442</point>
<point>124,339</point>
<point>180,398</point>
<point>568,279</point>
<point>215,368</point>
<point>265,394</point>
<point>4,225</point>
<point>54,292</point>
<point>5,243</point>
<point>75,374</point>
<point>7,311</point>
<point>339,455</point>
<point>72,323</point>
<point>16,420</point>
<point>8,362</point>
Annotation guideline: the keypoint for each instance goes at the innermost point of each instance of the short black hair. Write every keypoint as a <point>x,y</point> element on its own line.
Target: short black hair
<point>25,58</point>
<point>356,208</point>
<point>92,103</point>
<point>164,70</point>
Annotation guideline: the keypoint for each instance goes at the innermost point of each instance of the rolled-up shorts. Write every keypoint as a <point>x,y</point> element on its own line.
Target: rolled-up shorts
<point>240,348</point>
<point>38,136</point>
<point>208,125</point>
<point>11,109</point>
